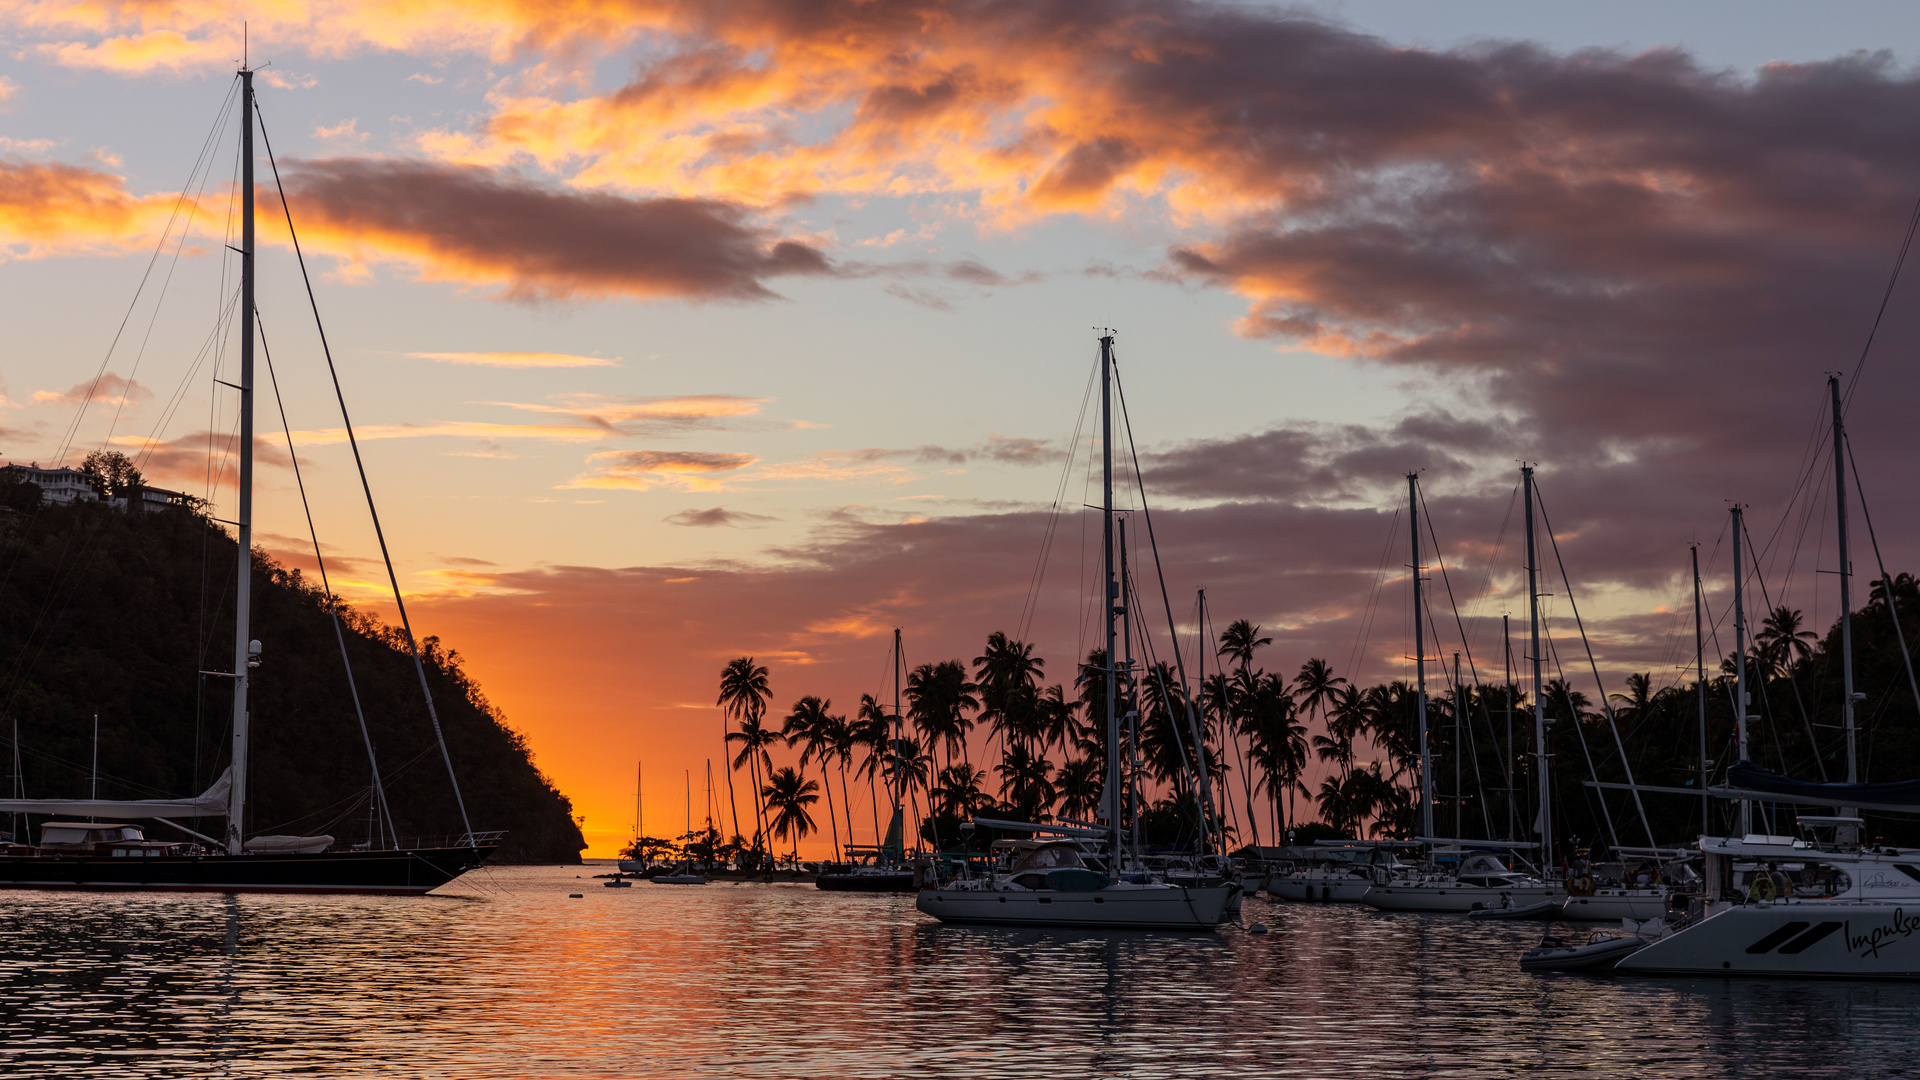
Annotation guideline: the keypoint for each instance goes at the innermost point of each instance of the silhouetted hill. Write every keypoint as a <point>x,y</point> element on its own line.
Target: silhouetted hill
<point>109,613</point>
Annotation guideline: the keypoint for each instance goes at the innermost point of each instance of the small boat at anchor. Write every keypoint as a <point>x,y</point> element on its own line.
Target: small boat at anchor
<point>1598,953</point>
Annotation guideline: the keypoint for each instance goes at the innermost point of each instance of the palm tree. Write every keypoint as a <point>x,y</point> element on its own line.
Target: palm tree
<point>939,697</point>
<point>1026,781</point>
<point>754,738</point>
<point>1079,783</point>
<point>1006,667</point>
<point>811,728</point>
<point>743,693</point>
<point>840,743</point>
<point>1781,643</point>
<point>873,729</point>
<point>789,794</point>
<point>1239,641</point>
<point>958,793</point>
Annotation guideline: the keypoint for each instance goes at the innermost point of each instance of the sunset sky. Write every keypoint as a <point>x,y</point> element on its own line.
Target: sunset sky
<point>682,331</point>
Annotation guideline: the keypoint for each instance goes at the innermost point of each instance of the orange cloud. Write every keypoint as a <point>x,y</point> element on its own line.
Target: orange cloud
<point>641,470</point>
<point>49,210</point>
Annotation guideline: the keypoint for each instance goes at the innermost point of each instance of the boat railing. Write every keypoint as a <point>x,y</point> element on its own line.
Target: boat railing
<point>488,838</point>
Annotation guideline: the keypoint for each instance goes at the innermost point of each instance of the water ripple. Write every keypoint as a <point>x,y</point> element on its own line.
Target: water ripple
<point>503,975</point>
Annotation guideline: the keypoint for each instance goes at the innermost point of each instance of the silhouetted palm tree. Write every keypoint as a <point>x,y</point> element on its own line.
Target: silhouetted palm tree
<point>1005,669</point>
<point>1781,643</point>
<point>788,794</point>
<point>810,728</point>
<point>958,793</point>
<point>872,728</point>
<point>743,693</point>
<point>1079,783</point>
<point>939,697</point>
<point>1026,781</point>
<point>754,737</point>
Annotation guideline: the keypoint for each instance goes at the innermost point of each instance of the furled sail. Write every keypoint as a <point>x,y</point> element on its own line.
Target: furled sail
<point>1747,777</point>
<point>210,803</point>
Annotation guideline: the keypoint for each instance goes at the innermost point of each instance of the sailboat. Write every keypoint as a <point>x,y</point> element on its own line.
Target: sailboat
<point>880,868</point>
<point>1482,882</point>
<point>1070,876</point>
<point>1778,905</point>
<point>113,854</point>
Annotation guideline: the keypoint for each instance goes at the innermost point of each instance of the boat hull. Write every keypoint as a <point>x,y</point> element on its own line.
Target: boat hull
<point>364,872</point>
<point>1345,889</point>
<point>1112,908</point>
<point>901,882</point>
<point>1598,955</point>
<point>1612,905</point>
<point>1829,939</point>
<point>1457,899</point>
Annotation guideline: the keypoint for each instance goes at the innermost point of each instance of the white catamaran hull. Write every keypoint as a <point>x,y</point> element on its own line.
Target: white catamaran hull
<point>1117,907</point>
<point>1612,905</point>
<point>1457,899</point>
<point>1830,938</point>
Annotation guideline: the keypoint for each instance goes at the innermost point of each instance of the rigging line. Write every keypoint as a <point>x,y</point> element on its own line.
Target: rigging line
<point>1371,611</point>
<point>1612,725</point>
<point>1573,717</point>
<point>160,245</point>
<point>1813,740</point>
<point>366,487</point>
<point>326,586</point>
<point>1472,670</point>
<point>1900,260</point>
<point>1886,579</point>
<point>1031,607</point>
<point>1173,631</point>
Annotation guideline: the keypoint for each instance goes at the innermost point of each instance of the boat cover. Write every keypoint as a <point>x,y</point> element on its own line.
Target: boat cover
<point>210,803</point>
<point>1751,777</point>
<point>289,845</point>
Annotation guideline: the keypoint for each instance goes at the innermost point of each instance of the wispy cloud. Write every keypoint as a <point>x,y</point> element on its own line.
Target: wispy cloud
<point>645,469</point>
<point>718,516</point>
<point>517,359</point>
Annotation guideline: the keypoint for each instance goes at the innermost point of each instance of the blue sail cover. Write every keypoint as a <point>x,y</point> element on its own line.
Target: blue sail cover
<point>1750,777</point>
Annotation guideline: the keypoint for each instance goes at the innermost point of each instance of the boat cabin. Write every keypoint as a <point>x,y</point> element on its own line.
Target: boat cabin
<point>100,838</point>
<point>1487,871</point>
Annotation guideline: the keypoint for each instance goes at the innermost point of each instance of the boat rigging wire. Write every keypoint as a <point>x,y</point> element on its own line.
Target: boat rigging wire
<point>1030,608</point>
<point>1900,260</point>
<point>326,586</point>
<point>366,487</point>
<point>1886,580</point>
<point>1595,666</point>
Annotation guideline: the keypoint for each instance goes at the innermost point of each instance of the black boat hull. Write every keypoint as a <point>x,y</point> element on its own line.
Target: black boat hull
<point>902,882</point>
<point>402,873</point>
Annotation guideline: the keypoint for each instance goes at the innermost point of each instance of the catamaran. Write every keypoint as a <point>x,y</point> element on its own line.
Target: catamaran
<point>117,855</point>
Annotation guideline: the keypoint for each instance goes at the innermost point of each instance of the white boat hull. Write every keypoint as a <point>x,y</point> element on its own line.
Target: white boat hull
<point>1612,905</point>
<point>1116,907</point>
<point>1450,898</point>
<point>1829,938</point>
<point>1345,889</point>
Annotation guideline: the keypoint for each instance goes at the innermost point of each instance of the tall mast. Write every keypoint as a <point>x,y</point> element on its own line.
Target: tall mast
<point>1420,659</point>
<point>1847,698</point>
<point>1130,717</point>
<point>899,741</point>
<point>1544,823</point>
<point>1112,598</point>
<point>243,521</point>
<point>639,793</point>
<point>1506,659</point>
<point>1459,749</point>
<point>1700,694</point>
<point>1740,659</point>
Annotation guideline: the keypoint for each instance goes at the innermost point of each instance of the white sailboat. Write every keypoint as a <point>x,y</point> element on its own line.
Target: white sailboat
<point>1068,879</point>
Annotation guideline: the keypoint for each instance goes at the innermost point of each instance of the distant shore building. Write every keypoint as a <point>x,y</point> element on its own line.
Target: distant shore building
<point>61,487</point>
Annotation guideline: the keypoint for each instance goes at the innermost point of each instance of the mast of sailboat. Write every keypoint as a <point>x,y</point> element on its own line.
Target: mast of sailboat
<point>1700,692</point>
<point>1420,659</point>
<point>1740,658</point>
<point>1544,823</point>
<point>243,651</point>
<point>899,784</point>
<point>1110,600</point>
<point>1459,751</point>
<point>1506,673</point>
<point>1847,696</point>
<point>639,792</point>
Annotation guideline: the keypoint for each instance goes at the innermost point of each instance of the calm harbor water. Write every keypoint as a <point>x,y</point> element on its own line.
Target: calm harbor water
<point>502,975</point>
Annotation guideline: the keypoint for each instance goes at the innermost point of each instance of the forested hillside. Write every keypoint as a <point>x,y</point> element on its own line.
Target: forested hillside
<point>115,614</point>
